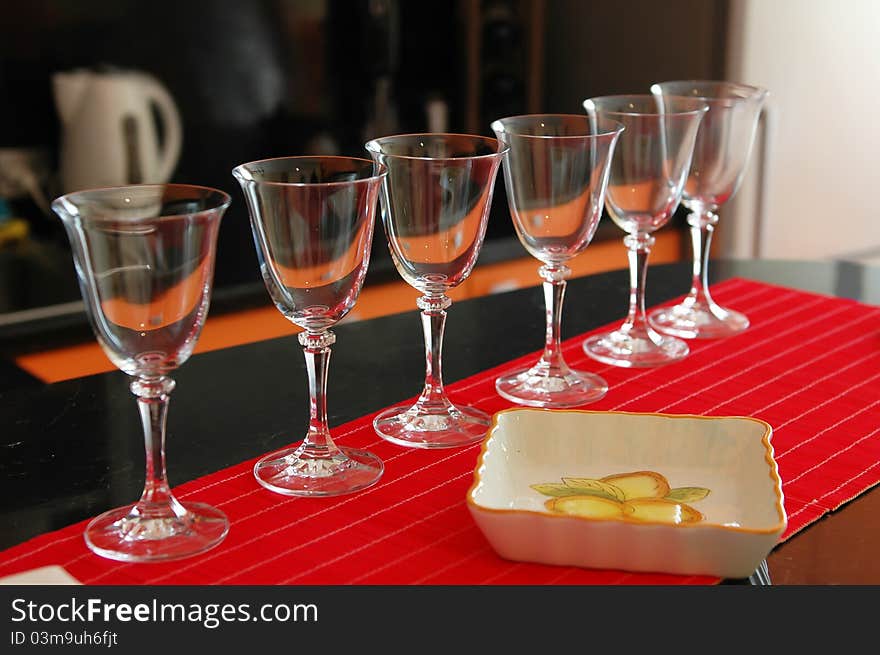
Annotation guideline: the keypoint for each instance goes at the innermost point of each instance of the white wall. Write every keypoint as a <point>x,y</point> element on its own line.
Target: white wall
<point>820,59</point>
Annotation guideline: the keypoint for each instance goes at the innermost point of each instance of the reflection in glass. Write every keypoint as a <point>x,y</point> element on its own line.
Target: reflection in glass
<point>721,153</point>
<point>555,173</point>
<point>312,220</point>
<point>435,204</point>
<point>648,173</point>
<point>144,256</point>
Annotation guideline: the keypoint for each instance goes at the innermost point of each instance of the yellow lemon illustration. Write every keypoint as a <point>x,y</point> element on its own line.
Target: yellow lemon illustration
<point>637,496</point>
<point>640,484</point>
<point>593,507</point>
<point>660,511</point>
<point>591,487</point>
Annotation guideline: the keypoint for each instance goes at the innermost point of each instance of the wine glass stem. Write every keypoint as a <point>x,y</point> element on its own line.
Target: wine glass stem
<point>152,394</point>
<point>316,347</point>
<point>554,293</point>
<point>433,325</point>
<point>639,247</point>
<point>702,225</point>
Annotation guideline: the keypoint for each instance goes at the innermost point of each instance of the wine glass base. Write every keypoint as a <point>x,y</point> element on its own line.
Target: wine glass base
<point>417,427</point>
<point>159,537</point>
<point>698,321</point>
<point>535,387</point>
<point>635,350</point>
<point>290,473</point>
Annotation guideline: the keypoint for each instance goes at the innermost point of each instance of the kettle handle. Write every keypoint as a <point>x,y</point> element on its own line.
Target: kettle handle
<point>170,117</point>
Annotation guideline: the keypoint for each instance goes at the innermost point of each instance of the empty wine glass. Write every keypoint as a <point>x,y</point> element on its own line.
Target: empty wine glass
<point>144,256</point>
<point>648,172</point>
<point>312,219</point>
<point>555,173</point>
<point>724,142</point>
<point>435,205</point>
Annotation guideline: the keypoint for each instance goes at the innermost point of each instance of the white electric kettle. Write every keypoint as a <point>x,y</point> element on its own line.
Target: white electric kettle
<point>109,134</point>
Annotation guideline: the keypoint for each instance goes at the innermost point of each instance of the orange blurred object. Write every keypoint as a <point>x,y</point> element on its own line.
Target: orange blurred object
<point>248,326</point>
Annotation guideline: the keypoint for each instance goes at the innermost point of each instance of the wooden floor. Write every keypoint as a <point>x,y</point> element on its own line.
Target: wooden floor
<point>225,330</point>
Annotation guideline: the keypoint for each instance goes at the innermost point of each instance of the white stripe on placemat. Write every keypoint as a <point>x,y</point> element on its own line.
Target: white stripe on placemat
<point>500,574</point>
<point>315,540</point>
<point>59,540</point>
<point>781,353</point>
<point>468,527</point>
<point>199,489</point>
<point>351,498</point>
<point>649,371</point>
<point>449,565</point>
<point>830,427</point>
<point>372,542</point>
<point>791,370</point>
<point>737,353</point>
<point>255,490</point>
<point>833,491</point>
<point>756,292</point>
<point>832,456</point>
<point>800,390</point>
<point>575,344</point>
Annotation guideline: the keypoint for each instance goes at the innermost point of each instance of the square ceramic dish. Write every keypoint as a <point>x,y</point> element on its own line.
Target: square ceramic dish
<point>637,492</point>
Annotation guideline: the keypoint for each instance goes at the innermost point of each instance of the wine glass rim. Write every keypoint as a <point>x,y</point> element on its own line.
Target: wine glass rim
<point>377,175</point>
<point>59,203</point>
<point>648,114</point>
<point>617,129</point>
<point>753,92</point>
<point>373,145</point>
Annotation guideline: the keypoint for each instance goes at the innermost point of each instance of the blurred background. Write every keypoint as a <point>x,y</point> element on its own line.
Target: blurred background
<point>191,89</point>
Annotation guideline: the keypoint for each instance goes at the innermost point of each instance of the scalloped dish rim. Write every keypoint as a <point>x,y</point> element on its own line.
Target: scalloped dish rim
<point>779,506</point>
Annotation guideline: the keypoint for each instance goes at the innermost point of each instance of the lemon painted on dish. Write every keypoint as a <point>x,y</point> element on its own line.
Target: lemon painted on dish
<point>742,518</point>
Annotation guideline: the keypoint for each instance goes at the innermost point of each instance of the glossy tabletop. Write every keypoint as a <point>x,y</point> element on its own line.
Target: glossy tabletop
<point>73,449</point>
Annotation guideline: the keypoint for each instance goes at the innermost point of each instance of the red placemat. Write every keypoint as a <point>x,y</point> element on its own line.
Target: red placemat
<point>809,365</point>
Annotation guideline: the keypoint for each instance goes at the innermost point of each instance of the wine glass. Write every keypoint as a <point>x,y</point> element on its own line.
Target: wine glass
<point>312,219</point>
<point>435,205</point>
<point>648,173</point>
<point>144,257</point>
<point>556,173</point>
<point>724,143</point>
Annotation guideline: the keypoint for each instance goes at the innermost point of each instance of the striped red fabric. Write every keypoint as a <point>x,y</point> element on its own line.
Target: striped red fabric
<point>809,365</point>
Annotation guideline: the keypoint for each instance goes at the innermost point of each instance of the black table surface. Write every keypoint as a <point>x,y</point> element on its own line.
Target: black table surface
<point>73,449</point>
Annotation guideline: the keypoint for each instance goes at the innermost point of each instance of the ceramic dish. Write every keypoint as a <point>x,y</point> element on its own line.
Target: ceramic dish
<point>636,492</point>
